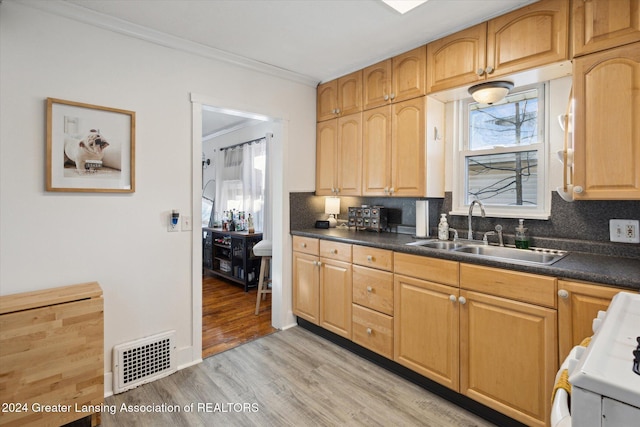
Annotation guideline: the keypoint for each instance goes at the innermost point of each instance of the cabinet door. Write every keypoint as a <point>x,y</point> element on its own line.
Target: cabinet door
<point>376,85</point>
<point>606,126</point>
<point>408,78</point>
<point>458,59</point>
<point>326,157</point>
<point>426,329</point>
<point>578,305</point>
<point>408,156</point>
<point>376,151</point>
<point>529,37</point>
<point>350,93</point>
<point>604,24</point>
<point>327,100</point>
<point>508,356</point>
<point>349,158</point>
<point>306,287</point>
<point>335,297</point>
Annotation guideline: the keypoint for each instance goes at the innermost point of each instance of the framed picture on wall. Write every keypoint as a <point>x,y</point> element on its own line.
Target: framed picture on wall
<point>90,148</point>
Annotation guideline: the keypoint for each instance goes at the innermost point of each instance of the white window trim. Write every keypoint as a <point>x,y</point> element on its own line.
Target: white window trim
<point>543,209</point>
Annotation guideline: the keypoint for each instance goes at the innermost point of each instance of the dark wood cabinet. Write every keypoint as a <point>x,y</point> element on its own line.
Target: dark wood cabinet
<point>229,254</point>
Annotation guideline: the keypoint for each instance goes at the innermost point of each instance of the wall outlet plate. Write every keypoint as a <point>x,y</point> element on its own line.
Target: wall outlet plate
<point>624,230</point>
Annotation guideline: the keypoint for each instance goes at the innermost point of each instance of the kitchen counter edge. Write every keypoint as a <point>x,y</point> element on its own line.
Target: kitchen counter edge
<point>601,269</point>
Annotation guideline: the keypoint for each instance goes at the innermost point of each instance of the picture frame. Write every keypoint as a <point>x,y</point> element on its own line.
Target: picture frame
<point>90,148</point>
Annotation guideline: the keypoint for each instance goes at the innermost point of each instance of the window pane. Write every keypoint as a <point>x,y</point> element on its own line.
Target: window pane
<point>514,122</point>
<point>503,179</point>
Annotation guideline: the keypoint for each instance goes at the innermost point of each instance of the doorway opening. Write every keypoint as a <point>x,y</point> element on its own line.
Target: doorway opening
<point>228,318</point>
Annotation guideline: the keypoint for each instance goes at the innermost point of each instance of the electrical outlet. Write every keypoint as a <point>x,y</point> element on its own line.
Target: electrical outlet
<point>624,230</point>
<point>186,222</point>
<point>174,221</point>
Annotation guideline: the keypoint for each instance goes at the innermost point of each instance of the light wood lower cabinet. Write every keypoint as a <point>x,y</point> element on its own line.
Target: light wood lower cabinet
<point>508,356</point>
<point>372,319</point>
<point>426,329</point>
<point>578,305</point>
<point>335,296</point>
<point>508,347</point>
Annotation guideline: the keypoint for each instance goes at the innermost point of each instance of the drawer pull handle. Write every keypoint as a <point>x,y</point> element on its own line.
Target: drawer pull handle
<point>369,289</point>
<point>369,331</point>
<point>452,298</point>
<point>334,251</point>
<point>369,258</point>
<point>304,245</point>
<point>462,300</point>
<point>563,294</point>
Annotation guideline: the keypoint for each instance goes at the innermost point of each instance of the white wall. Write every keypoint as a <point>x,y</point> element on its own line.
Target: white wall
<point>121,240</point>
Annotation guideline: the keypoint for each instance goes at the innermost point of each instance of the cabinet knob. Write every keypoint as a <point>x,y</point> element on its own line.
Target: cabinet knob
<point>386,97</point>
<point>334,251</point>
<point>479,71</point>
<point>337,111</point>
<point>489,70</point>
<point>462,300</point>
<point>369,331</point>
<point>319,264</point>
<point>369,258</point>
<point>392,190</point>
<point>393,96</point>
<point>563,294</point>
<point>452,298</point>
<point>369,289</point>
<point>578,189</point>
<point>304,245</point>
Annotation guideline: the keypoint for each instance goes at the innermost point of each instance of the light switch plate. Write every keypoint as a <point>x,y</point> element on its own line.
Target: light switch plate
<point>624,230</point>
<point>186,222</point>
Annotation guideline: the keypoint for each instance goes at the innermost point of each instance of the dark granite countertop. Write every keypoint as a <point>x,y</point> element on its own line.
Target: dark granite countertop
<point>608,270</point>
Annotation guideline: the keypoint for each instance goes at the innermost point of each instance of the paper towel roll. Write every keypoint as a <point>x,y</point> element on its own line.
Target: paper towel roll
<point>422,218</point>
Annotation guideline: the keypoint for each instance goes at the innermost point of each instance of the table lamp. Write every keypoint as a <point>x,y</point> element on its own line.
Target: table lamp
<point>332,208</point>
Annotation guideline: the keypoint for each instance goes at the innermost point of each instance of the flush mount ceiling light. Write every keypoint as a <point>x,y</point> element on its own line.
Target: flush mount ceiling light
<point>490,92</point>
<point>403,6</point>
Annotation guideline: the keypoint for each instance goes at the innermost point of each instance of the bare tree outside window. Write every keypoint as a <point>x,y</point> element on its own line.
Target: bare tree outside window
<point>501,159</point>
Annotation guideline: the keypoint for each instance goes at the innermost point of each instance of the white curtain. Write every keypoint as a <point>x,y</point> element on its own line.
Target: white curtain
<point>241,177</point>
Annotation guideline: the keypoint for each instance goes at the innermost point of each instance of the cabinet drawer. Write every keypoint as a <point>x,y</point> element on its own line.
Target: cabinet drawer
<point>431,269</point>
<point>373,330</point>
<point>531,288</point>
<point>373,257</point>
<point>335,250</point>
<point>307,245</point>
<point>373,289</point>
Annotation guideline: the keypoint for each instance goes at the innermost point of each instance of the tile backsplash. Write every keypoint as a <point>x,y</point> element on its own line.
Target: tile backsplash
<point>580,225</point>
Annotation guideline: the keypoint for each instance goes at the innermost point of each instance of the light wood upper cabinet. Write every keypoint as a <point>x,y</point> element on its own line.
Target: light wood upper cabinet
<point>394,150</point>
<point>457,59</point>
<point>604,24</point>
<point>578,305</point>
<point>339,156</point>
<point>606,126</point>
<point>396,79</point>
<point>529,37</point>
<point>340,97</point>
<point>508,355</point>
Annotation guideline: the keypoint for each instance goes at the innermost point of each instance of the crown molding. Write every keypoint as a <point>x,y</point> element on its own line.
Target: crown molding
<point>110,23</point>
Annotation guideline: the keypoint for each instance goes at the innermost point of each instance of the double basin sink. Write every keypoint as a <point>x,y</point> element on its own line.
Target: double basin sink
<point>500,253</point>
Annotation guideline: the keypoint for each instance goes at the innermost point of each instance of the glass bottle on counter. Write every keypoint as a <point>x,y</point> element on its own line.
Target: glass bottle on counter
<point>443,228</point>
<point>522,238</point>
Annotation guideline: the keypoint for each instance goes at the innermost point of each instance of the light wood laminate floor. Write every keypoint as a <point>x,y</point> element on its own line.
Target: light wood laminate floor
<point>288,378</point>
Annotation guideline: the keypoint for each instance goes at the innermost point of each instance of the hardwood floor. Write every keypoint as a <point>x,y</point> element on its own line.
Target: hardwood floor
<point>289,378</point>
<point>228,316</point>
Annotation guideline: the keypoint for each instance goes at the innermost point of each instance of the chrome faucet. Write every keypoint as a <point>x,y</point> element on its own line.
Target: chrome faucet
<point>475,202</point>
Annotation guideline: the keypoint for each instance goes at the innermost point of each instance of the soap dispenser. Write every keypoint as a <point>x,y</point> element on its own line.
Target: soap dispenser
<point>443,228</point>
<point>522,239</point>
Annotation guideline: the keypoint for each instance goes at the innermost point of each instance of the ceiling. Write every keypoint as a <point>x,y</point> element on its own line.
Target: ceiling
<point>309,41</point>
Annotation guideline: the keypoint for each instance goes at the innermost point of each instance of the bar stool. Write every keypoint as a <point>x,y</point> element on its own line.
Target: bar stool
<point>263,249</point>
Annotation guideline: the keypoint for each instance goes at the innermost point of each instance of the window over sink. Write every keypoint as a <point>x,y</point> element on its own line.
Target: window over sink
<point>501,155</point>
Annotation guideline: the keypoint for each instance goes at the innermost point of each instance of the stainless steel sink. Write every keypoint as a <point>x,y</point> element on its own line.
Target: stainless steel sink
<point>501,253</point>
<point>541,256</point>
<point>437,244</point>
